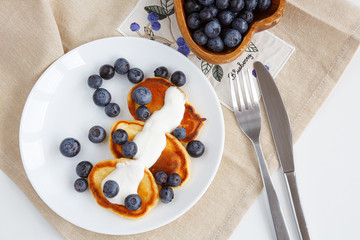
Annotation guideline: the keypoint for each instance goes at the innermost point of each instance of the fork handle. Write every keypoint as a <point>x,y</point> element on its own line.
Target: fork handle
<point>276,213</point>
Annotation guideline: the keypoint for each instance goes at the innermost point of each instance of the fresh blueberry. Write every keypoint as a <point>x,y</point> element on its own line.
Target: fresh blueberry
<point>191,6</point>
<point>141,95</point>
<point>155,26</point>
<point>232,38</point>
<point>178,78</point>
<point>247,15</point>
<point>97,134</point>
<point>142,112</point>
<point>101,97</point>
<point>193,21</point>
<point>83,169</point>
<point>226,17</point>
<point>161,177</point>
<point>206,3</point>
<point>120,136</point>
<point>112,109</point>
<point>129,149</point>
<point>200,37</point>
<point>135,75</point>
<point>107,71</point>
<point>263,4</point>
<point>240,24</point>
<point>212,29</point>
<point>222,4</point>
<point>179,133</point>
<point>214,11</point>
<point>161,72</point>
<point>237,5</point>
<point>95,81</point>
<point>110,189</point>
<point>250,4</point>
<point>215,44</point>
<point>205,14</point>
<point>80,184</point>
<point>133,202</point>
<point>166,194</point>
<point>195,148</point>
<point>174,180</point>
<point>69,147</point>
<point>121,66</point>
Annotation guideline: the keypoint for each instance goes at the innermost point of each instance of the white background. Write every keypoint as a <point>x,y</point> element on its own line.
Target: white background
<point>327,167</point>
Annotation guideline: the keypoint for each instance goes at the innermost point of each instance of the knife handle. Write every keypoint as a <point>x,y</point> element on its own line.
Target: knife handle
<point>296,205</point>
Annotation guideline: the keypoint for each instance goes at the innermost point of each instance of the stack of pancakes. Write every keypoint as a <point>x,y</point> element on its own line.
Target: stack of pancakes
<point>173,159</point>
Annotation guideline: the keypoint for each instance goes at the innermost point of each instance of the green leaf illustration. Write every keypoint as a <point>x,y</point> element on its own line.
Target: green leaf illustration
<point>160,11</point>
<point>218,72</point>
<point>252,48</point>
<point>168,5</point>
<point>206,67</point>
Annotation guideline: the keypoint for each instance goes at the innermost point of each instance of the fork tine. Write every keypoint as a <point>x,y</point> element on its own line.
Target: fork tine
<point>240,92</point>
<point>246,91</point>
<point>233,96</point>
<point>253,93</point>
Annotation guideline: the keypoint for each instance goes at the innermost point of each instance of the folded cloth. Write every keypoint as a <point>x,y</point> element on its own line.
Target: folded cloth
<point>35,33</point>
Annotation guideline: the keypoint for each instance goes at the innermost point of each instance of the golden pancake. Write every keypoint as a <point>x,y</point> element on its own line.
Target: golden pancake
<point>192,121</point>
<point>173,159</point>
<point>147,190</point>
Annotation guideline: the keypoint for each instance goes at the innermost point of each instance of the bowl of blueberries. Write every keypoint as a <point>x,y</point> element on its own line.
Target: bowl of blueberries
<point>219,31</point>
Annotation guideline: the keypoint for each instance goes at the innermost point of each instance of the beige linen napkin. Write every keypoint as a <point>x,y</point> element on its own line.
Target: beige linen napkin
<point>33,34</point>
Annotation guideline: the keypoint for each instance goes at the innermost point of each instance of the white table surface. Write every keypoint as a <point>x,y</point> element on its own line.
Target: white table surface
<point>327,166</point>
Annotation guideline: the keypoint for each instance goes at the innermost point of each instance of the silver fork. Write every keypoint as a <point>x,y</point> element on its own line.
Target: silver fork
<point>248,117</point>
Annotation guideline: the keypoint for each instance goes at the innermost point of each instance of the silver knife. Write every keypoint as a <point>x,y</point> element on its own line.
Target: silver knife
<point>281,131</point>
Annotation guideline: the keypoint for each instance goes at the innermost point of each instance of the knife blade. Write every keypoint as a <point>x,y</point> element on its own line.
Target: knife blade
<point>282,135</point>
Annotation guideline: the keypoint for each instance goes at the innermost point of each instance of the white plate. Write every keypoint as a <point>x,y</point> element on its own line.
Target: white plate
<point>60,105</point>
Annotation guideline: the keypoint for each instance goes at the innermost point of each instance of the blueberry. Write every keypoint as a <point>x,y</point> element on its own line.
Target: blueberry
<point>240,24</point>
<point>206,3</point>
<point>200,37</point>
<point>205,14</point>
<point>212,29</point>
<point>97,134</point>
<point>83,169</point>
<point>153,17</point>
<point>95,81</point>
<point>161,177</point>
<point>179,133</point>
<point>107,71</point>
<point>133,202</point>
<point>247,15</point>
<point>166,194</point>
<point>226,17</point>
<point>214,11</point>
<point>141,95</point>
<point>174,180</point>
<point>185,50</point>
<point>161,72</point>
<point>232,38</point>
<point>215,44</point>
<point>121,66</point>
<point>120,136</point>
<point>110,189</point>
<point>178,78</point>
<point>69,147</point>
<point>155,26</point>
<point>263,4</point>
<point>193,21</point>
<point>101,97</point>
<point>195,148</point>
<point>237,5</point>
<point>191,6</point>
<point>222,4</point>
<point>250,4</point>
<point>135,75</point>
<point>112,109</point>
<point>80,184</point>
<point>134,27</point>
<point>142,112</point>
<point>180,41</point>
<point>129,149</point>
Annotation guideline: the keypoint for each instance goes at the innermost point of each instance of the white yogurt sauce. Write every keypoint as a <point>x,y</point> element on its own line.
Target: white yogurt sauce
<point>151,141</point>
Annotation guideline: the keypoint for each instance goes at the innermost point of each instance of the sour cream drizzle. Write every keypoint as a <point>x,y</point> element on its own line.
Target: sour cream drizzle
<point>151,141</point>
